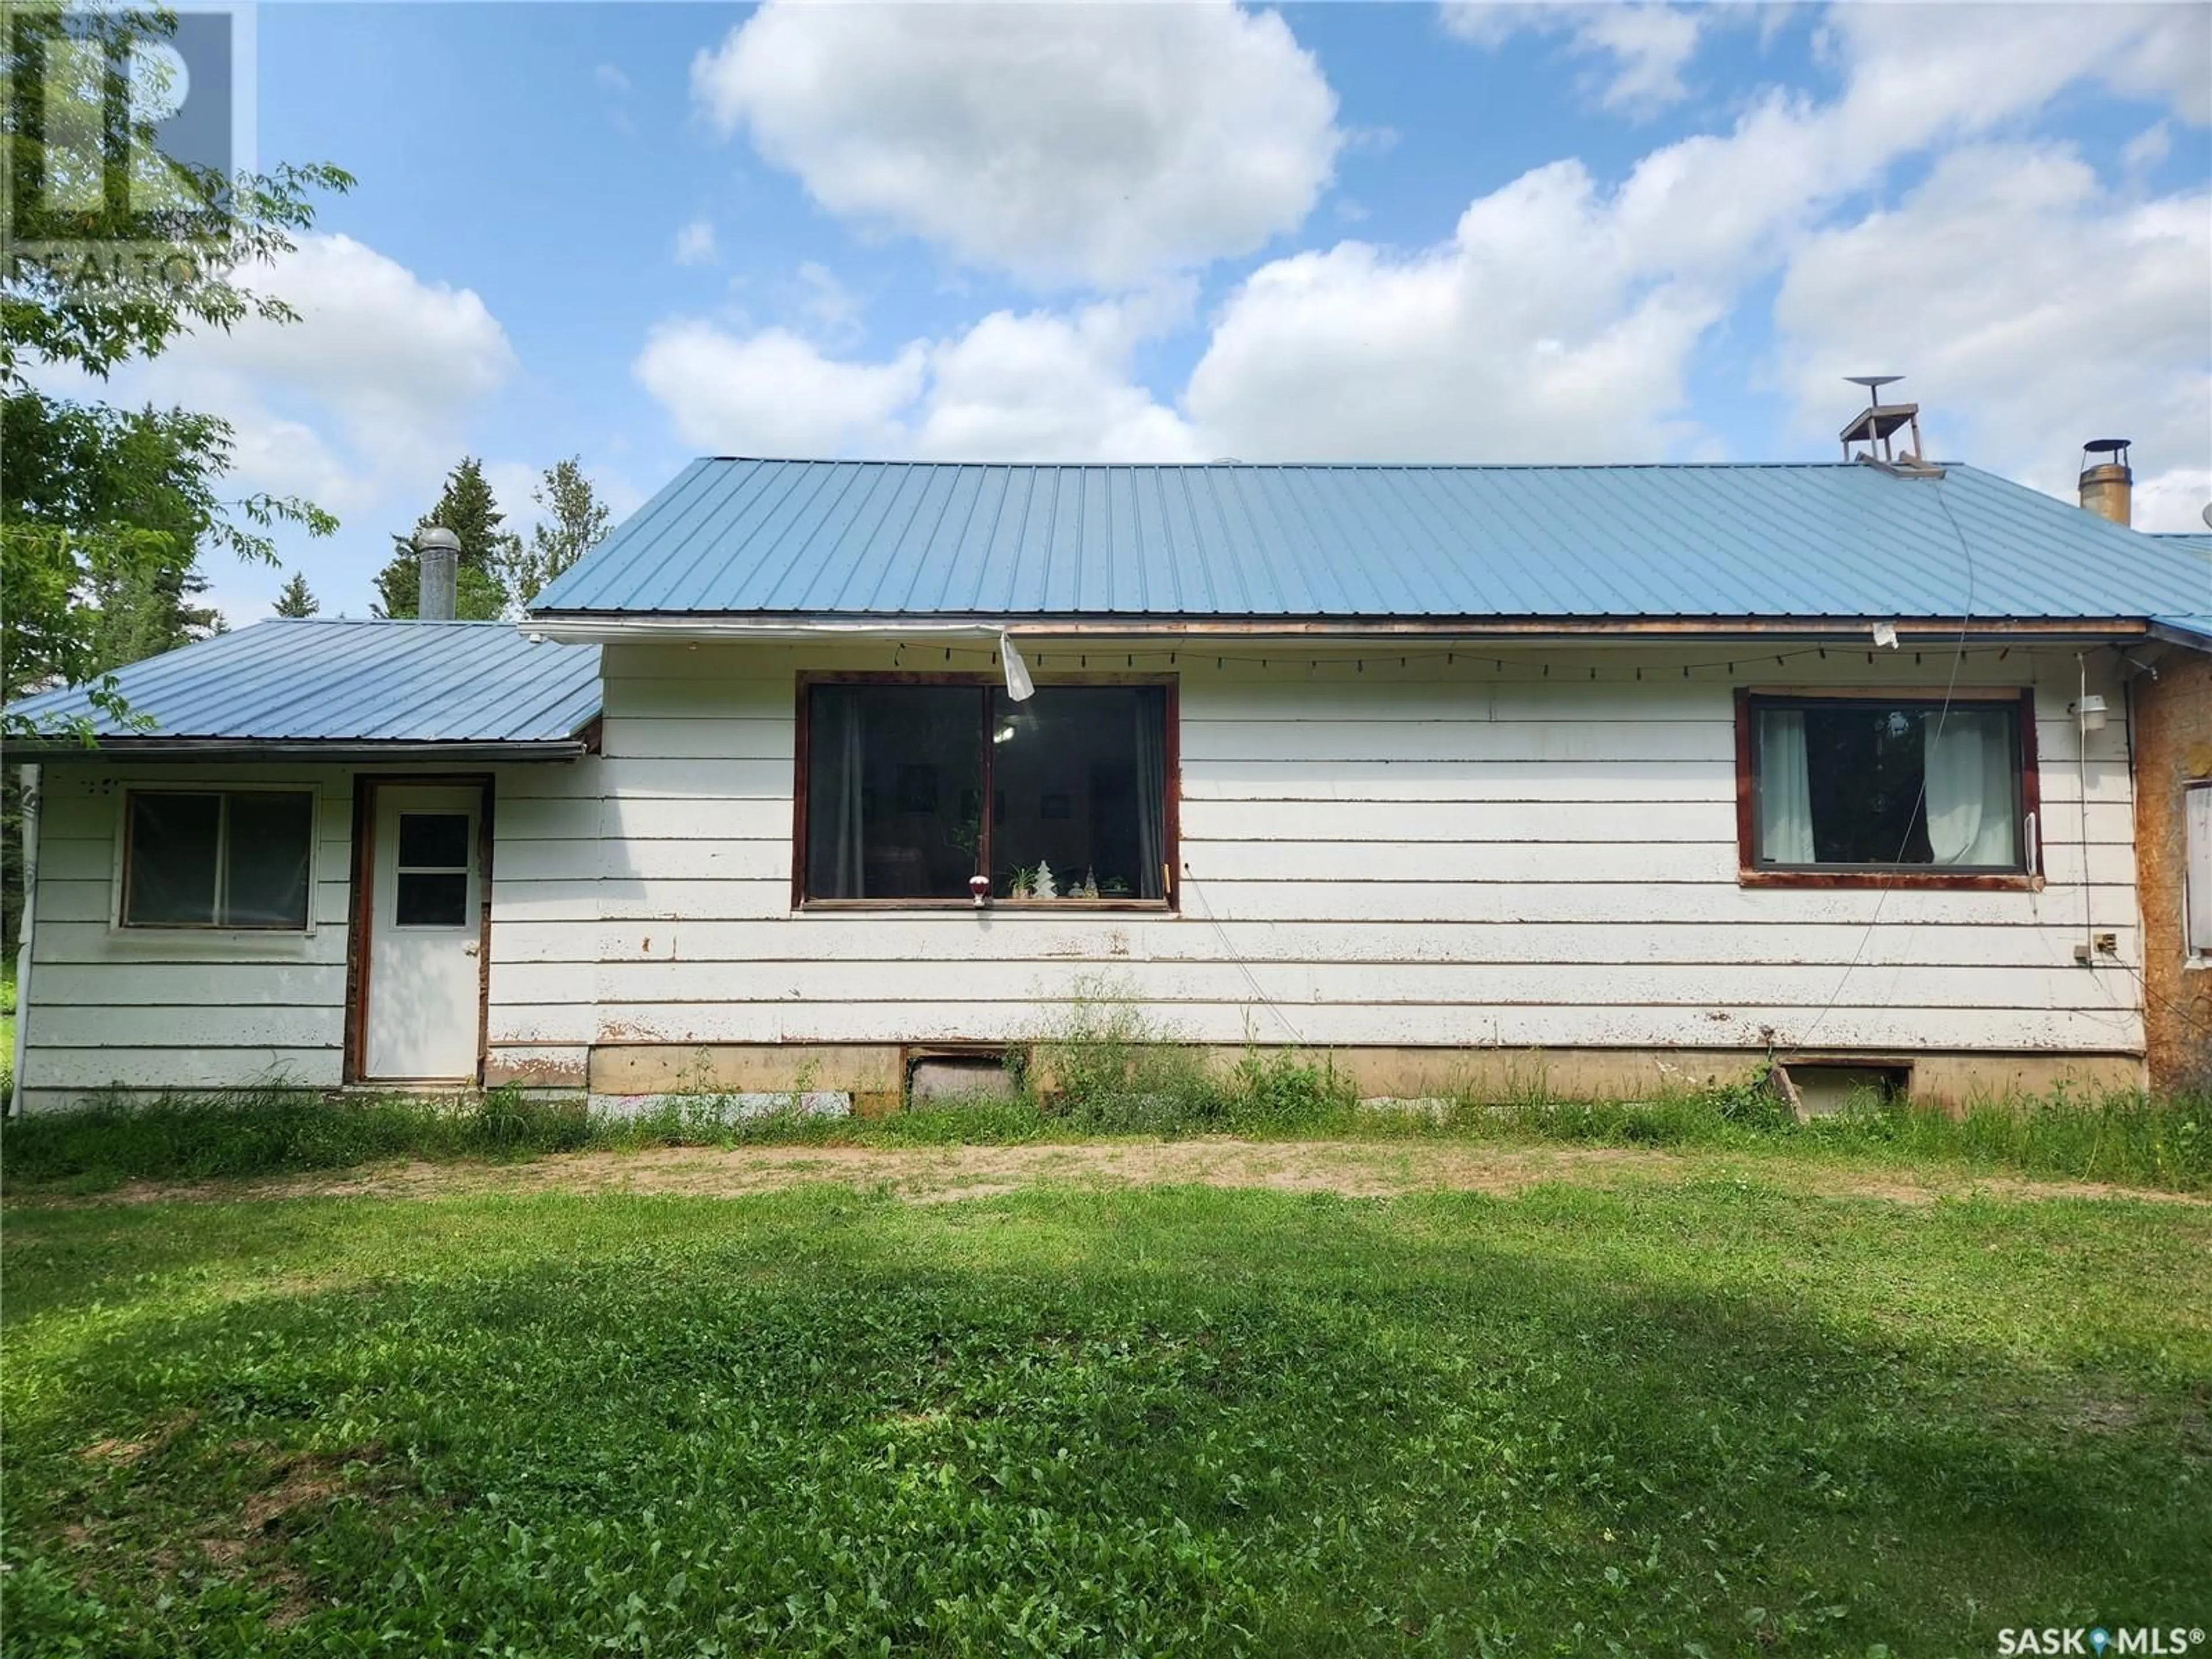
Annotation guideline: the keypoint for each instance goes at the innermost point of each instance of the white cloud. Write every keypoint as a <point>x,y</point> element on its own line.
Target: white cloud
<point>1646,46</point>
<point>360,406</point>
<point>1042,387</point>
<point>2147,148</point>
<point>1528,336</point>
<point>695,243</point>
<point>773,392</point>
<point>610,79</point>
<point>1063,142</point>
<point>1039,386</point>
<point>2174,500</point>
<point>2036,309</point>
<point>371,387</point>
<point>1560,320</point>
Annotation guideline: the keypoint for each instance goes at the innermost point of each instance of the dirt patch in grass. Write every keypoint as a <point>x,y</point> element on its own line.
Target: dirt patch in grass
<point>953,1174</point>
<point>126,1453</point>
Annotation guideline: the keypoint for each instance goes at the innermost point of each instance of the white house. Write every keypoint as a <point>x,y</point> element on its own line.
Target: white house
<point>1611,775</point>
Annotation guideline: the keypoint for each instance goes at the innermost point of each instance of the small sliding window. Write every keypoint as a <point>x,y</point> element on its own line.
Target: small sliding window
<point>908,789</point>
<point>1936,791</point>
<point>230,859</point>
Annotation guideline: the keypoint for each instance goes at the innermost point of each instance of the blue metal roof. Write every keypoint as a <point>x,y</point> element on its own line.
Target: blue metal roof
<point>885,538</point>
<point>339,682</point>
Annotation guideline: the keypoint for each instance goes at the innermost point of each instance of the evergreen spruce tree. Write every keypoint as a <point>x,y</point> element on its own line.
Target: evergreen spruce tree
<point>295,600</point>
<point>488,552</point>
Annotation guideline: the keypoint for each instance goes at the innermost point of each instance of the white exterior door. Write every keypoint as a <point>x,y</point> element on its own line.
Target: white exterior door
<point>425,1014</point>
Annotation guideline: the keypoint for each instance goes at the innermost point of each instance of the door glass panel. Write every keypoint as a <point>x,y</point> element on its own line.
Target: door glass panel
<point>433,841</point>
<point>432,898</point>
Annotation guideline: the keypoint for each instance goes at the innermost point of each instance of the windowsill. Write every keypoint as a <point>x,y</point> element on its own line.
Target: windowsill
<point>154,930</point>
<point>209,944</point>
<point>1937,880</point>
<point>1021,906</point>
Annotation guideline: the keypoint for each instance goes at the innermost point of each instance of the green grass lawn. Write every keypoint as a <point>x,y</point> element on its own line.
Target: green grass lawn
<point>7,1020</point>
<point>1703,1418</point>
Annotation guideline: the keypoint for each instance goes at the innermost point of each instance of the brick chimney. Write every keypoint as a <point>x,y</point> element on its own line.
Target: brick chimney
<point>2107,485</point>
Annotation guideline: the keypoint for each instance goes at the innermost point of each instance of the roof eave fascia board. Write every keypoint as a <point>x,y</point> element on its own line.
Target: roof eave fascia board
<point>583,628</point>
<point>63,747</point>
<point>2189,639</point>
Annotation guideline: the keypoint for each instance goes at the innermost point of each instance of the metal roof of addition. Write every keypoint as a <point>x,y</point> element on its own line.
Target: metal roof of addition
<point>323,684</point>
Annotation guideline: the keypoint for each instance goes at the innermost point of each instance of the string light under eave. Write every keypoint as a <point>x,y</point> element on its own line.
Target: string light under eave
<point>1533,672</point>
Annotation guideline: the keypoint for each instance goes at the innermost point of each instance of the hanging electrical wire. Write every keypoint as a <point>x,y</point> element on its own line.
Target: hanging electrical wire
<point>1942,714</point>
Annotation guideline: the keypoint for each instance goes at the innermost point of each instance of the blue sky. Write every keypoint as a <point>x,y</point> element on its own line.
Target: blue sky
<point>635,232</point>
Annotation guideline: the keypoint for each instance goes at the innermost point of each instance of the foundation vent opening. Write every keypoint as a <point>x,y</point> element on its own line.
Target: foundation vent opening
<point>933,1079</point>
<point>1824,1088</point>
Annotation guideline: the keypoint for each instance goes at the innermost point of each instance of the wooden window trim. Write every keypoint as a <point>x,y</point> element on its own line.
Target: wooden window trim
<point>1749,874</point>
<point>2196,953</point>
<point>122,923</point>
<point>1169,903</point>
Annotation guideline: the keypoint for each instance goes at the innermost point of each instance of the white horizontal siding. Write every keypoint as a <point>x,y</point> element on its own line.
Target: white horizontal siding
<point>1439,853</point>
<point>152,1009</point>
<point>62,1075</point>
<point>148,1009</point>
<point>1500,780</point>
<point>712,948</point>
<point>1351,1024</point>
<point>1166,980</point>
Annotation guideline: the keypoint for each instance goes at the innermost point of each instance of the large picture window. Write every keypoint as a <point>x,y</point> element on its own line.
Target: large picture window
<point>1885,786</point>
<point>909,790</point>
<point>235,859</point>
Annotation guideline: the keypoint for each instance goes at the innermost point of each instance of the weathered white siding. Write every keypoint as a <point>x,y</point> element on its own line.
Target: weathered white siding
<point>1427,855</point>
<point>151,1009</point>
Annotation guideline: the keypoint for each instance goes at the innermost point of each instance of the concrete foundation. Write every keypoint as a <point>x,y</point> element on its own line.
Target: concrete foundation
<point>875,1075</point>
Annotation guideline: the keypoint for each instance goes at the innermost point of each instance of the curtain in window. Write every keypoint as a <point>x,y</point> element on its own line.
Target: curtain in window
<point>1786,788</point>
<point>265,879</point>
<point>1971,809</point>
<point>2197,818</point>
<point>175,843</point>
<point>840,751</point>
<point>1151,792</point>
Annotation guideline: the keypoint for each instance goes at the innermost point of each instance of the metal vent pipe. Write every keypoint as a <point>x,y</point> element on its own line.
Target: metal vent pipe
<point>440,550</point>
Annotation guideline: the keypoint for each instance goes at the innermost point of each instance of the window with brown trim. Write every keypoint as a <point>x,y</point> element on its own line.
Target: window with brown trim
<point>2197,869</point>
<point>239,859</point>
<point>909,787</point>
<point>1886,787</point>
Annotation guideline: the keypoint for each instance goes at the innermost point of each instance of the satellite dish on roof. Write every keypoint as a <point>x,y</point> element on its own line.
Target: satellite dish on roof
<point>1874,383</point>
<point>2207,515</point>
